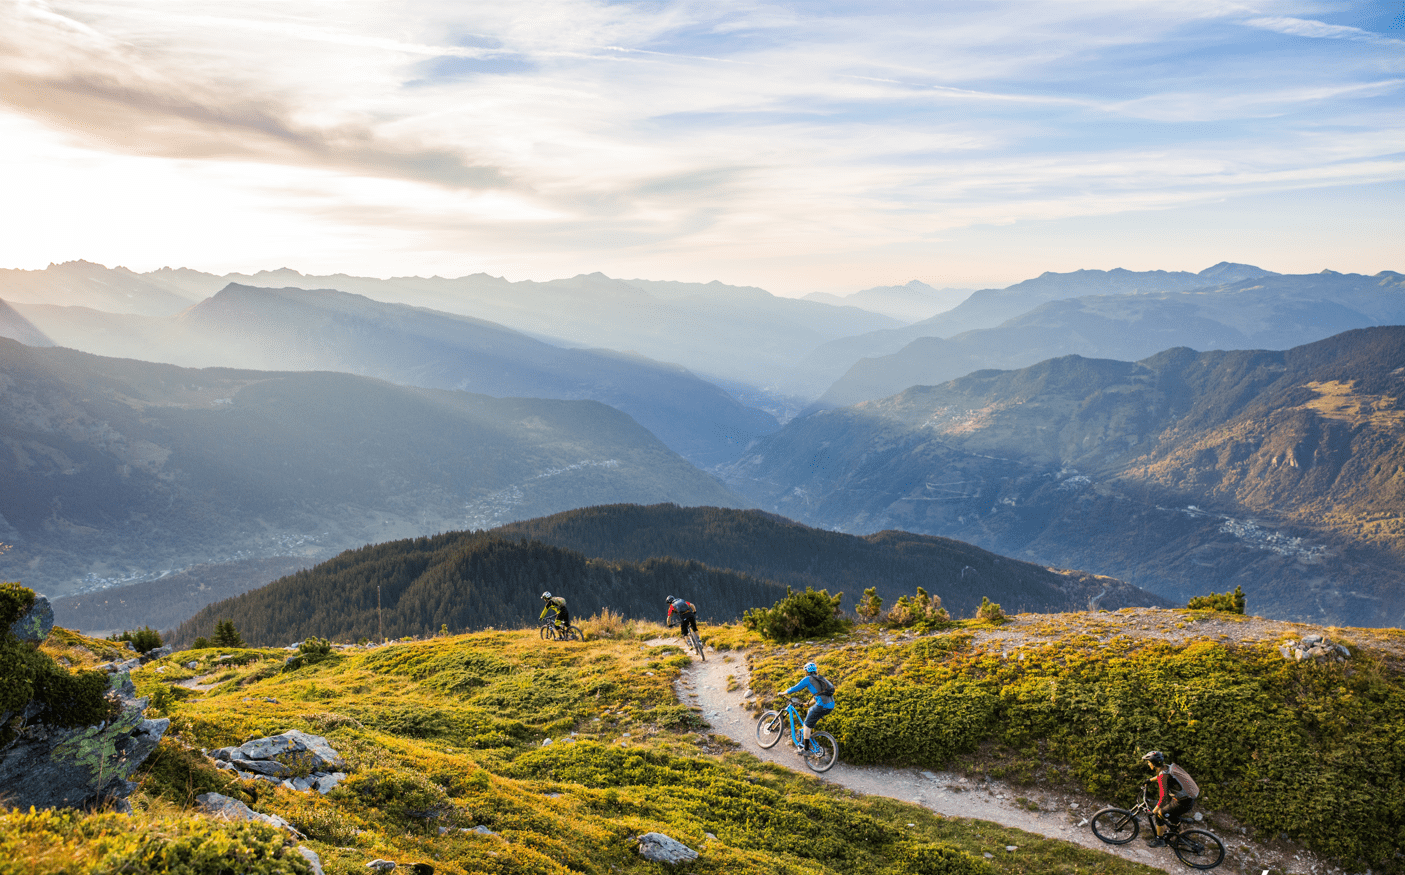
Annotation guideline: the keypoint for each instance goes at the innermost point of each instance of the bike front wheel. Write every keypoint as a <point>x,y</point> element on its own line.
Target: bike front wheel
<point>828,754</point>
<point>548,632</point>
<point>768,729</point>
<point>1198,849</point>
<point>1116,826</point>
<point>697,645</point>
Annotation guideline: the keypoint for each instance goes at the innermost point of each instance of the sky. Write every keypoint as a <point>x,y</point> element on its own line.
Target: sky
<point>799,146</point>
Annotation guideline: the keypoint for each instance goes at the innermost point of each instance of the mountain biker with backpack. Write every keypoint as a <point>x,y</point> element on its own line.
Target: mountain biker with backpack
<point>1177,794</point>
<point>823,691</point>
<point>557,604</point>
<point>687,615</point>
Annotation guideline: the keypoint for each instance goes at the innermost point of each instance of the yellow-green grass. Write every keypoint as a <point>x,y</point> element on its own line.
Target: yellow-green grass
<point>1285,746</point>
<point>450,733</point>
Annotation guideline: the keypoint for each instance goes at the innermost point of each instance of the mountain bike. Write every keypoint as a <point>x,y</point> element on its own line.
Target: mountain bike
<point>823,750</point>
<point>1196,848</point>
<point>694,640</point>
<point>550,631</point>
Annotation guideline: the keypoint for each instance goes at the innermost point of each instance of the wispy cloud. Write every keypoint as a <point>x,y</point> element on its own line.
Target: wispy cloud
<point>548,130</point>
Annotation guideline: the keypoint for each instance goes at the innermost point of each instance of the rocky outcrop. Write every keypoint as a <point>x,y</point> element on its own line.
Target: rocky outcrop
<point>224,808</point>
<point>85,766</point>
<point>293,759</point>
<point>35,624</point>
<point>1315,647</point>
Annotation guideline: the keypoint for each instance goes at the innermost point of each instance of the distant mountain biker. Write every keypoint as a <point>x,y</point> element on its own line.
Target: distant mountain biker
<point>557,604</point>
<point>823,691</point>
<point>687,615</point>
<point>1177,793</point>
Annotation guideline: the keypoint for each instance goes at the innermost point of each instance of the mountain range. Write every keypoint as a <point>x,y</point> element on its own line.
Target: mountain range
<point>911,302</point>
<point>119,471</point>
<point>1258,312</point>
<point>1182,473</point>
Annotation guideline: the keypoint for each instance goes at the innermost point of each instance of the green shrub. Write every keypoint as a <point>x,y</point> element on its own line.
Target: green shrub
<point>990,612</point>
<point>28,674</point>
<point>1230,602</point>
<point>920,609</point>
<point>937,860</point>
<point>143,640</point>
<point>870,606</point>
<point>807,614</point>
<point>14,601</point>
<point>200,643</point>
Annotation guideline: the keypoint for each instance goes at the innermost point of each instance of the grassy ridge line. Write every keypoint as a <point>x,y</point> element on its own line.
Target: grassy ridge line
<point>1289,747</point>
<point>450,733</point>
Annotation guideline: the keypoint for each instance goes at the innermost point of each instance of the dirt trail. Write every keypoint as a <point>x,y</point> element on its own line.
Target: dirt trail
<point>1059,815</point>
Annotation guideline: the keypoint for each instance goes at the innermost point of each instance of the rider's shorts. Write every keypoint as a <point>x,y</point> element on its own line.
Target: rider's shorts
<point>816,713</point>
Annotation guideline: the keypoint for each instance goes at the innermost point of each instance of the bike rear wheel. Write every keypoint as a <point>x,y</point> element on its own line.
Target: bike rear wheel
<point>1198,849</point>
<point>1116,826</point>
<point>768,729</point>
<point>828,754</point>
<point>574,634</point>
<point>697,644</point>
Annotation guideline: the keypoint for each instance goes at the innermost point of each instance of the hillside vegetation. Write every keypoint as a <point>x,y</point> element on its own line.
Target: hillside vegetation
<point>466,581</point>
<point>563,753</point>
<point>895,563</point>
<point>1312,749</point>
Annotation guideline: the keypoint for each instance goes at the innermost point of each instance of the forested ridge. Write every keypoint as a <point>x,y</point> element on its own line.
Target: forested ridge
<point>772,547</point>
<point>468,581</point>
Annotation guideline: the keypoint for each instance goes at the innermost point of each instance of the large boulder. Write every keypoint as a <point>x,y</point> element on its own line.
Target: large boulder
<point>85,766</point>
<point>35,624</point>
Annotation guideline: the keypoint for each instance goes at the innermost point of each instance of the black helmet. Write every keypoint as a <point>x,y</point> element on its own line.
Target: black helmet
<point>1154,759</point>
<point>546,596</point>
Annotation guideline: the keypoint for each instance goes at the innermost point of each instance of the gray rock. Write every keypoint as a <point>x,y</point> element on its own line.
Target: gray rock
<point>84,766</point>
<point>302,785</point>
<point>482,830</point>
<point>659,848</point>
<point>156,653</point>
<point>225,808</point>
<point>294,744</point>
<point>326,783</point>
<point>262,767</point>
<point>380,865</point>
<point>35,624</point>
<point>312,859</point>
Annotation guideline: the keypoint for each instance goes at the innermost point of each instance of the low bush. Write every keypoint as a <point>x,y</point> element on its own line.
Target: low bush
<point>1230,602</point>
<point>143,640</point>
<point>807,614</point>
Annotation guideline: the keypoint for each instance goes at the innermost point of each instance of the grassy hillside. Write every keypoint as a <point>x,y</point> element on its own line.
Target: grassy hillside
<point>1314,750</point>
<point>451,733</point>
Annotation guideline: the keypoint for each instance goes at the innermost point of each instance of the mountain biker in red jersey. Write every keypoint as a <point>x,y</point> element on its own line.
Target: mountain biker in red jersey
<point>687,615</point>
<point>1177,794</point>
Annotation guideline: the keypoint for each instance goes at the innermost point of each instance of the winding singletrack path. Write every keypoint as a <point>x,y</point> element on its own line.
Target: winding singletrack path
<point>1058,815</point>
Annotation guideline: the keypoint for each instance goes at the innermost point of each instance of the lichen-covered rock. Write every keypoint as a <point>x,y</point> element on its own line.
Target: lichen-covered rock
<point>291,745</point>
<point>46,766</point>
<point>659,848</point>
<point>35,624</point>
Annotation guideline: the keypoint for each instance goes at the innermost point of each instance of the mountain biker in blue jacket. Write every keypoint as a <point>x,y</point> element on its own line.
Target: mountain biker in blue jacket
<point>823,691</point>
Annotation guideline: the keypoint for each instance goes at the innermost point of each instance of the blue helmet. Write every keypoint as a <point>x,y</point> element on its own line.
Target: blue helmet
<point>811,668</point>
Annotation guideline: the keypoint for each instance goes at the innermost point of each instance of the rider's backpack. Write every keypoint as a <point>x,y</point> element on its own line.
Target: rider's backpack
<point>826,688</point>
<point>687,608</point>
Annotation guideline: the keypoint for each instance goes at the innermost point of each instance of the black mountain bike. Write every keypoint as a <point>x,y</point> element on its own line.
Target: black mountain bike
<point>1196,848</point>
<point>550,631</point>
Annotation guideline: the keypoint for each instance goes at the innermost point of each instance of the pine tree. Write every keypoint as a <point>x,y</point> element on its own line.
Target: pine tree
<point>226,635</point>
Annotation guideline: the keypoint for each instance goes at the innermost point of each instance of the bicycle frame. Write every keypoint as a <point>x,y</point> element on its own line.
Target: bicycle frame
<point>797,720</point>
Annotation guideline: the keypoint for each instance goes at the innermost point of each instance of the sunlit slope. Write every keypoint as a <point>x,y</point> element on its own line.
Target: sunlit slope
<point>117,467</point>
<point>562,753</point>
<point>1278,471</point>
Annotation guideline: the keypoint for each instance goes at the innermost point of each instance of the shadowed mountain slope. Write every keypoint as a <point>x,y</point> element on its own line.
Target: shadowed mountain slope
<point>1271,312</point>
<point>466,581</point>
<point>1283,472</point>
<point>770,547</point>
<point>116,470</point>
